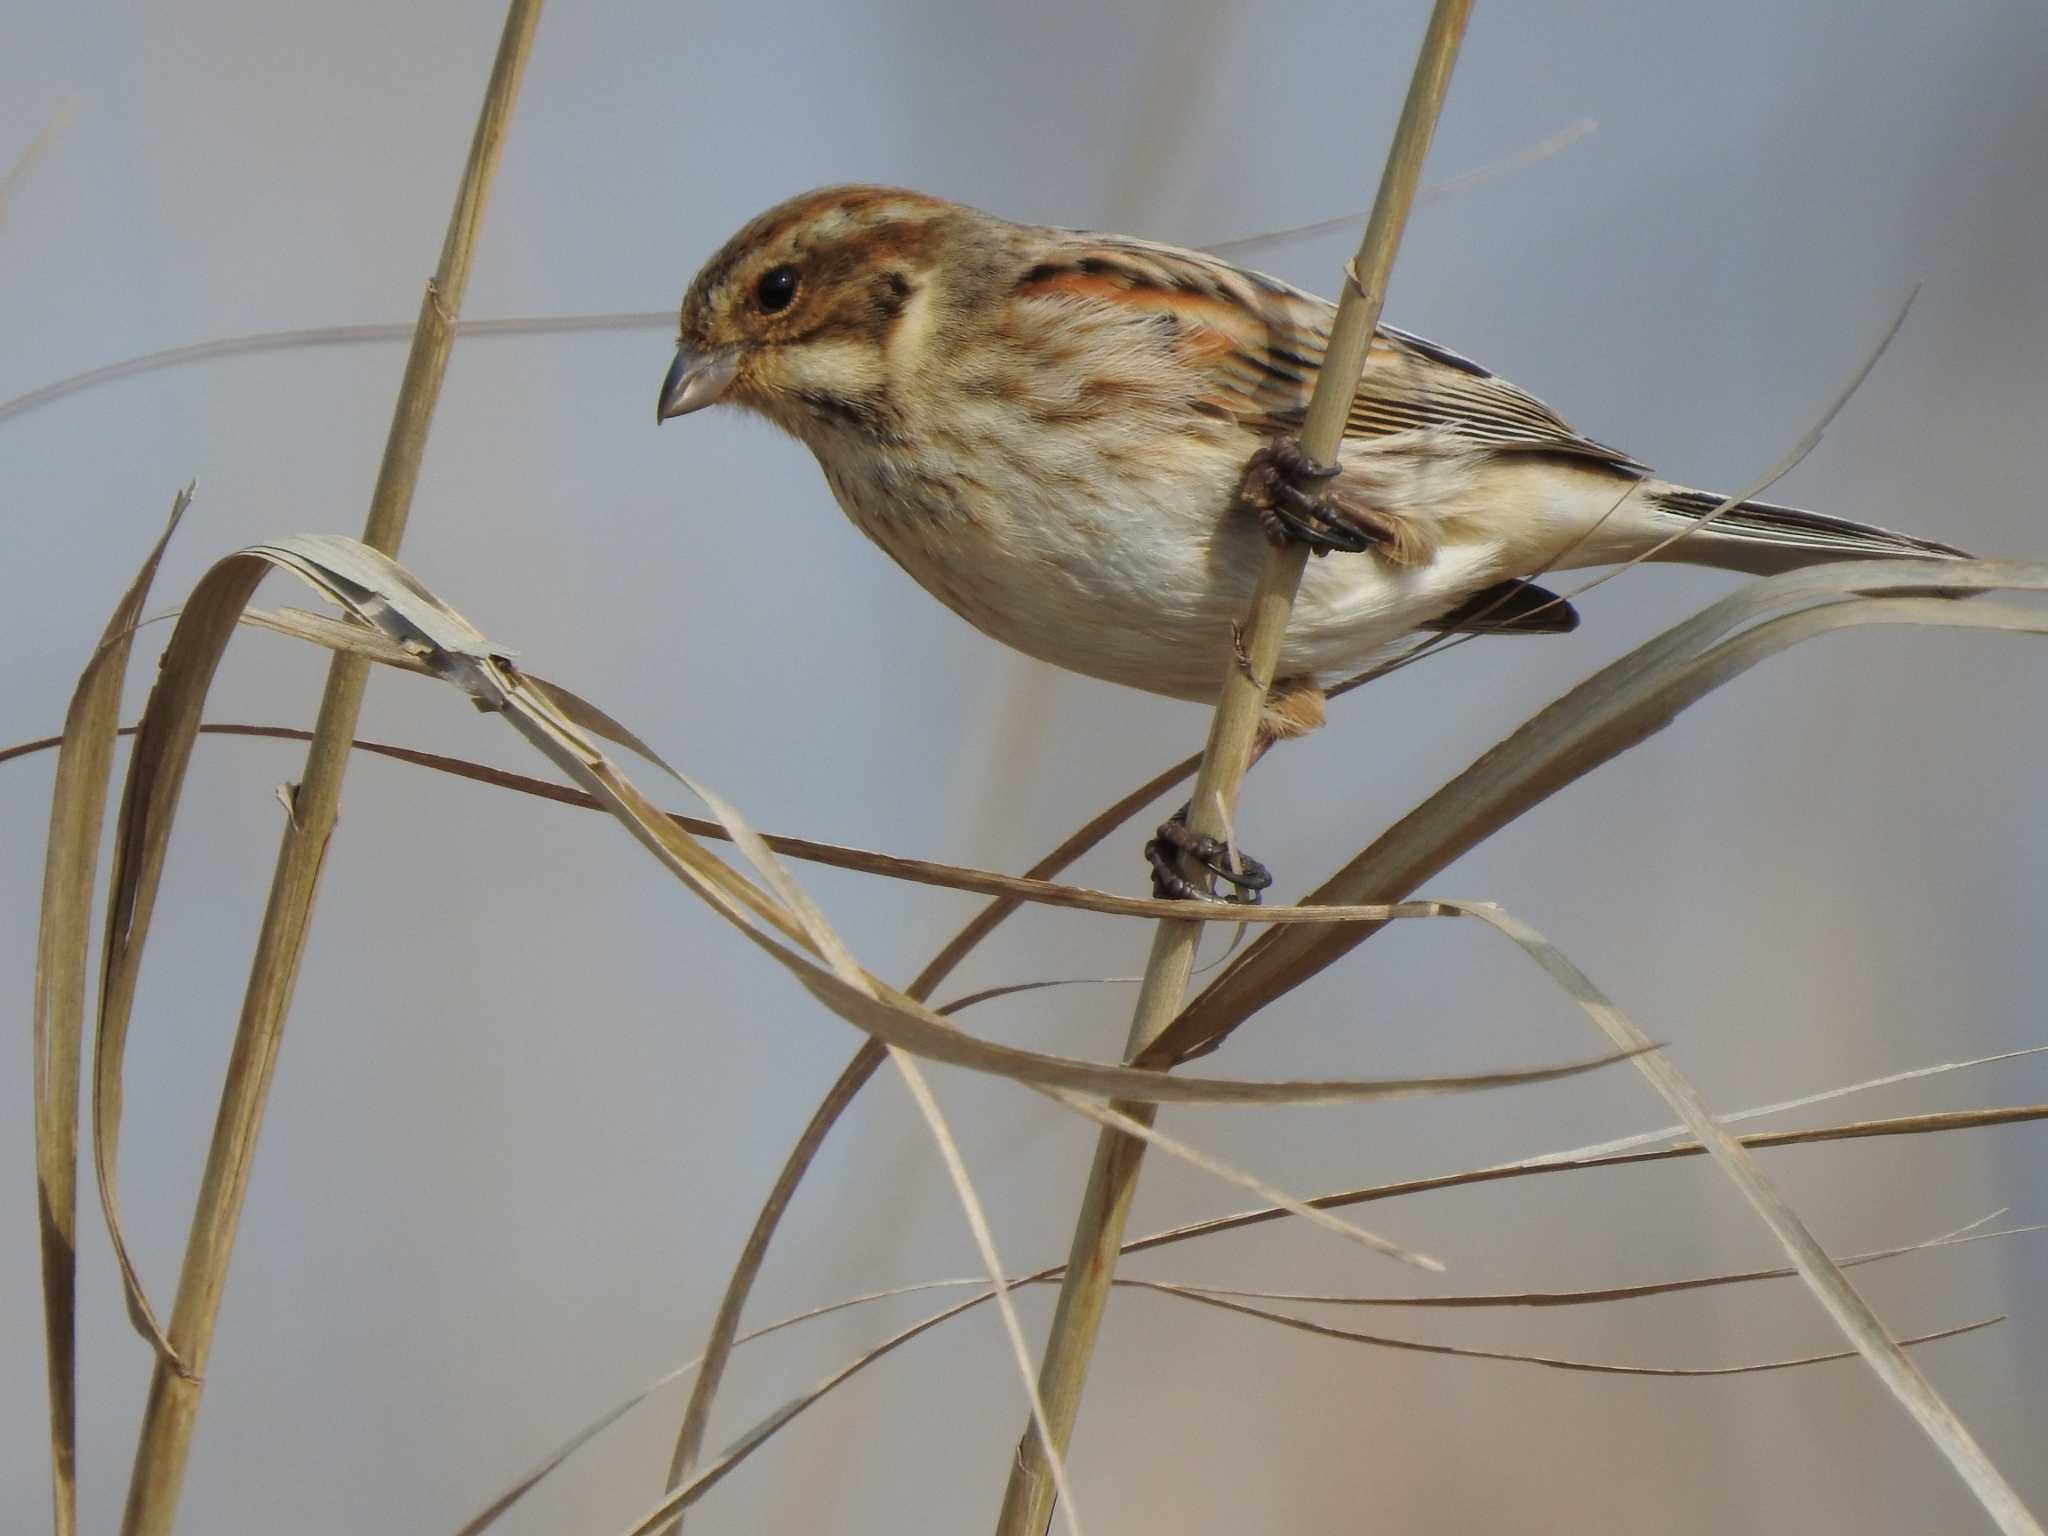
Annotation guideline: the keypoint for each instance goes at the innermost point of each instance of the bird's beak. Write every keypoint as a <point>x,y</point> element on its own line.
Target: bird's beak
<point>695,379</point>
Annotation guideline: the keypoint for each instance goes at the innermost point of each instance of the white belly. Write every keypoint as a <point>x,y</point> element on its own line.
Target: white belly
<point>1142,586</point>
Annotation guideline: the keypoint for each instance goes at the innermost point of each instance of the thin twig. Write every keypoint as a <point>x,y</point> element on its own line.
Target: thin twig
<point>173,1405</point>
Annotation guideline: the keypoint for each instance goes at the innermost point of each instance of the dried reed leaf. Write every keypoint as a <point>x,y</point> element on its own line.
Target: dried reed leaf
<point>679,1499</point>
<point>567,1448</point>
<point>1550,1362</point>
<point>999,1289</point>
<point>1437,192</point>
<point>864,1061</point>
<point>1110,1118</point>
<point>78,804</point>
<point>1614,1153</point>
<point>828,943</point>
<point>1021,890</point>
<point>765,1429</point>
<point>378,593</point>
<point>314,337</point>
<point>1599,1295</point>
<point>1851,1314</point>
<point>1552,1162</point>
<point>1804,1101</point>
<point>367,642</point>
<point>1616,708</point>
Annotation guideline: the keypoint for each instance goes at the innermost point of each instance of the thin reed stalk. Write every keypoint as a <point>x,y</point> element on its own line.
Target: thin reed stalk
<point>172,1408</point>
<point>1112,1181</point>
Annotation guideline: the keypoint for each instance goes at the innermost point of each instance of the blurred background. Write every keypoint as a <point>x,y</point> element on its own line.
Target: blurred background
<point>532,1092</point>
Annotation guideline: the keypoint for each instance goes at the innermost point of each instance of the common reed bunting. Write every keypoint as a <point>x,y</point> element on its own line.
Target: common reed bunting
<point>1079,443</point>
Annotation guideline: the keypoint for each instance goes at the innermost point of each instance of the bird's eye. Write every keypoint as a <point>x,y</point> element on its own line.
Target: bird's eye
<point>776,289</point>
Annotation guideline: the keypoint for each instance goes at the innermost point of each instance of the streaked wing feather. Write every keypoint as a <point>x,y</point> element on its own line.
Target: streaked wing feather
<point>1259,342</point>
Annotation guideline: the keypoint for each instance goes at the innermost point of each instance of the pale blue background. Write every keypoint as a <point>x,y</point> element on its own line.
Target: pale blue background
<point>532,1091</point>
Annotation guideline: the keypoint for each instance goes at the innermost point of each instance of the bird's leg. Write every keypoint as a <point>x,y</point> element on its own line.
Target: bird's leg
<point>1247,876</point>
<point>1284,488</point>
<point>1294,707</point>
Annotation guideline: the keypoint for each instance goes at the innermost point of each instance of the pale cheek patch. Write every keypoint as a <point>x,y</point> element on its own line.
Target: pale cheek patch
<point>847,369</point>
<point>910,334</point>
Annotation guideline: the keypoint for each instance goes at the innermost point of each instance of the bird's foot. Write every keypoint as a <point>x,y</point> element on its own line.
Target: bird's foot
<point>1246,877</point>
<point>1283,487</point>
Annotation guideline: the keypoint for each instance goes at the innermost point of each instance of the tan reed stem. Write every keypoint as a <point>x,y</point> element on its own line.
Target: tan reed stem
<point>172,1409</point>
<point>1105,1204</point>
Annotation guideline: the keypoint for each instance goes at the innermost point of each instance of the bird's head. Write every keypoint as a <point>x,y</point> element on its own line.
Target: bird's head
<point>798,313</point>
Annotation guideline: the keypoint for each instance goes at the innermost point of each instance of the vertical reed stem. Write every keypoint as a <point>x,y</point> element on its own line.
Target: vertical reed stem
<point>172,1409</point>
<point>1105,1205</point>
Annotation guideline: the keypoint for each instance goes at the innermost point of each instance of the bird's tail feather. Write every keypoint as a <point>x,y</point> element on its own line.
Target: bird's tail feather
<point>1762,539</point>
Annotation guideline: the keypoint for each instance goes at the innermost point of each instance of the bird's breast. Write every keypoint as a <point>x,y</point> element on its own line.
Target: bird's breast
<point>1089,563</point>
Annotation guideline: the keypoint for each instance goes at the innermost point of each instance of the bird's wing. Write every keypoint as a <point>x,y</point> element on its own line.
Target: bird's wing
<point>1256,345</point>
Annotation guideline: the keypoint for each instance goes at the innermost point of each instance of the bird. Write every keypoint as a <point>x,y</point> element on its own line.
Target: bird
<point>1081,444</point>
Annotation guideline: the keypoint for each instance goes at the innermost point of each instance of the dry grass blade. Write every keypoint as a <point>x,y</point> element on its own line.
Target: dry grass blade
<point>760,1433</point>
<point>1109,1117</point>
<point>343,635</point>
<point>1552,1162</point>
<point>321,336</point>
<point>1600,1295</point>
<point>679,1499</point>
<point>575,1442</point>
<point>984,1241</point>
<point>854,1076</point>
<point>1551,1362</point>
<point>1804,1101</point>
<point>376,591</point>
<point>378,332</point>
<point>1936,611</point>
<point>1016,890</point>
<point>1822,1275</point>
<point>78,804</point>
<point>1616,708</point>
<point>150,797</point>
<point>490,1514</point>
<point>1437,192</point>
<point>347,635</point>
<point>828,943</point>
<point>171,1411</point>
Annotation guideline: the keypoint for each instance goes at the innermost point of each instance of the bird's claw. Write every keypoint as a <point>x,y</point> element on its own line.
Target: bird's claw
<point>1280,487</point>
<point>1247,877</point>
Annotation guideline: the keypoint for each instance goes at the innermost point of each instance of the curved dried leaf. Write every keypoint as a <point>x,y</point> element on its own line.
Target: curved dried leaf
<point>567,1448</point>
<point>1618,707</point>
<point>1823,1277</point>
<point>78,807</point>
<point>1550,1362</point>
<point>1554,1162</point>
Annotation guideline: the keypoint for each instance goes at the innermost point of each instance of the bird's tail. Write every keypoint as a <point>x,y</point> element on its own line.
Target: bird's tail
<point>1762,539</point>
